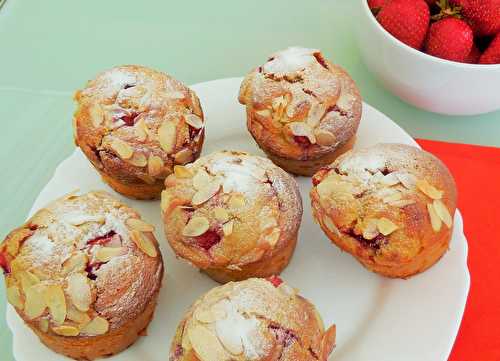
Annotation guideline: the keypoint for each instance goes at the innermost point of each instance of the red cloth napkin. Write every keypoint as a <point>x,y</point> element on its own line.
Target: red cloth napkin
<point>477,172</point>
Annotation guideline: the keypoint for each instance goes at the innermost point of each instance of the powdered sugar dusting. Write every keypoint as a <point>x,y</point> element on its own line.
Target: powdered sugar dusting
<point>290,60</point>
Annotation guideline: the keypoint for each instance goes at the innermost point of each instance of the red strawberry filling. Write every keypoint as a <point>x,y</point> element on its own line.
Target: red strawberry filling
<point>101,240</point>
<point>109,239</point>
<point>302,140</point>
<point>4,263</point>
<point>193,132</point>
<point>208,239</point>
<point>129,119</point>
<point>283,336</point>
<point>275,280</point>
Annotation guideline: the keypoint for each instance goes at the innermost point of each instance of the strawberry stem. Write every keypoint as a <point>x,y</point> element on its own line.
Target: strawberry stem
<point>447,10</point>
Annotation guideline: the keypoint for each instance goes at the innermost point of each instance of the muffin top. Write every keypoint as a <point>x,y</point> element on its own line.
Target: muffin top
<point>81,266</point>
<point>230,208</point>
<point>135,123</point>
<point>256,319</point>
<point>393,199</point>
<point>299,105</point>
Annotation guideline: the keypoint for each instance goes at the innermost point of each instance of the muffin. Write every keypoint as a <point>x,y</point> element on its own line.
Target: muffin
<point>233,215</point>
<point>84,274</point>
<point>302,110</point>
<point>256,319</point>
<point>134,124</point>
<point>390,205</point>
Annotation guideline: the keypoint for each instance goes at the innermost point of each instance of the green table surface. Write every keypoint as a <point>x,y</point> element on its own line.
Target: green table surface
<point>50,48</point>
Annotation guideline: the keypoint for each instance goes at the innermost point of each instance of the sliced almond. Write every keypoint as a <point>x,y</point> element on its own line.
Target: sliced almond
<point>390,179</point>
<point>78,290</point>
<point>273,237</point>
<point>402,203</point>
<point>201,179</point>
<point>76,263</point>
<point>141,130</point>
<point>14,297</point>
<point>229,336</point>
<point>44,325</point>
<point>96,115</point>
<point>221,214</point>
<point>77,218</point>
<point>138,160</point>
<point>436,222</point>
<point>144,243</point>
<point>370,229</point>
<point>76,316</point>
<point>206,345</point>
<point>328,222</point>
<point>183,156</point>
<point>206,193</point>
<point>396,196</point>
<point>139,225</point>
<point>227,228</point>
<point>194,121</point>
<point>196,227</point>
<point>326,187</point>
<point>35,304</point>
<point>443,212</point>
<point>56,302</point>
<point>27,279</point>
<point>15,241</point>
<point>386,226</point>
<point>65,330</point>
<point>315,114</point>
<point>105,254</point>
<point>146,178</point>
<point>265,113</point>
<point>324,137</point>
<point>429,190</point>
<point>167,136</point>
<point>267,222</point>
<point>98,326</point>
<point>123,149</point>
<point>155,165</point>
<point>408,180</point>
<point>203,315</point>
<point>301,129</point>
<point>182,172</point>
<point>236,201</point>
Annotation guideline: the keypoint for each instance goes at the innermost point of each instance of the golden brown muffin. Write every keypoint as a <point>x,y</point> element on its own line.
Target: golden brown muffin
<point>134,124</point>
<point>257,320</point>
<point>302,110</point>
<point>233,215</point>
<point>84,274</point>
<point>390,205</point>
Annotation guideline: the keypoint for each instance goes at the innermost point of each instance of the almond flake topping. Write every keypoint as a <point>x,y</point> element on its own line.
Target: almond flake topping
<point>139,225</point>
<point>165,200</point>
<point>300,129</point>
<point>182,172</point>
<point>167,136</point>
<point>436,222</point>
<point>443,212</point>
<point>227,228</point>
<point>273,237</point>
<point>183,156</point>
<point>206,193</point>
<point>194,121</point>
<point>96,115</point>
<point>324,137</point>
<point>55,300</point>
<point>65,330</point>
<point>221,214</point>
<point>14,297</point>
<point>35,304</point>
<point>201,179</point>
<point>206,345</point>
<point>98,326</point>
<point>123,149</point>
<point>105,254</point>
<point>328,222</point>
<point>144,243</point>
<point>386,226</point>
<point>76,263</point>
<point>196,227</point>
<point>76,316</point>
<point>141,130</point>
<point>44,325</point>
<point>138,160</point>
<point>236,201</point>
<point>370,229</point>
<point>429,190</point>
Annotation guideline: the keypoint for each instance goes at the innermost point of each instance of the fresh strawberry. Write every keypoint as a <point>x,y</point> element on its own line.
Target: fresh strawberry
<point>483,15</point>
<point>407,20</point>
<point>492,54</point>
<point>474,55</point>
<point>208,239</point>
<point>450,39</point>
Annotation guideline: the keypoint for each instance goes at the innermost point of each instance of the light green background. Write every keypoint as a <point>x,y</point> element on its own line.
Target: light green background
<point>50,48</point>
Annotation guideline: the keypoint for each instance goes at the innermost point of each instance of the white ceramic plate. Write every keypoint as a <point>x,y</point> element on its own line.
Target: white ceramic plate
<point>377,319</point>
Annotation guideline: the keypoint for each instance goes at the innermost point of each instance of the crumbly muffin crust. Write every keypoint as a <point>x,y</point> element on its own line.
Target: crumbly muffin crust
<point>134,124</point>
<point>300,106</point>
<point>82,271</point>
<point>390,205</point>
<point>256,319</point>
<point>232,212</point>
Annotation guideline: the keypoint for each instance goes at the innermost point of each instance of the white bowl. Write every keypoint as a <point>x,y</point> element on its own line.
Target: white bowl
<point>427,82</point>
